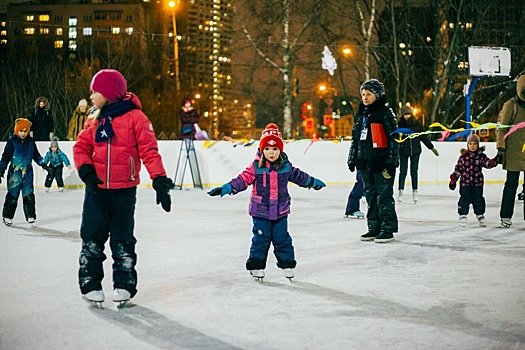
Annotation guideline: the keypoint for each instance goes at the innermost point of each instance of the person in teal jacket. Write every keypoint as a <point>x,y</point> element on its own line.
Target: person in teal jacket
<point>55,159</point>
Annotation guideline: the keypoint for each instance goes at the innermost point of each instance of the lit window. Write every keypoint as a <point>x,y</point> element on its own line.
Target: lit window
<point>59,44</point>
<point>88,31</point>
<point>59,31</point>
<point>30,18</point>
<point>3,42</point>
<point>115,30</point>
<point>2,24</point>
<point>72,33</point>
<point>44,30</point>
<point>129,30</point>
<point>29,31</point>
<point>72,45</point>
<point>3,33</point>
<point>43,18</point>
<point>72,21</point>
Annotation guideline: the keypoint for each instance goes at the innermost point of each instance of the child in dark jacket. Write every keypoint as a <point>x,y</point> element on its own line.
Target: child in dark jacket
<point>468,168</point>
<point>55,159</point>
<point>269,174</point>
<point>20,150</point>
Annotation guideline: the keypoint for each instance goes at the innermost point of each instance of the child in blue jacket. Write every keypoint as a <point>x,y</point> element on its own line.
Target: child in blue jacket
<point>269,174</point>
<point>56,159</point>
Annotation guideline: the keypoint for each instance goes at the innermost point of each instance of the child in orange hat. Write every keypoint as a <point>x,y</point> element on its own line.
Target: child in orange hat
<point>20,150</point>
<point>269,174</point>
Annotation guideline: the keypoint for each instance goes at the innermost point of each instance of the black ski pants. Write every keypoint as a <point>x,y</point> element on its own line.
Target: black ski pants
<point>55,173</point>
<point>379,192</point>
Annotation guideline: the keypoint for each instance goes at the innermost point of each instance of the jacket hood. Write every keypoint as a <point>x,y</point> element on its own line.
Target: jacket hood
<point>46,103</point>
<point>465,150</point>
<point>520,88</point>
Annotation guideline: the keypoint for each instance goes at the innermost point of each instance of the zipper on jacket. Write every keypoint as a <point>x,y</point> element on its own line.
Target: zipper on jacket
<point>109,161</point>
<point>132,168</point>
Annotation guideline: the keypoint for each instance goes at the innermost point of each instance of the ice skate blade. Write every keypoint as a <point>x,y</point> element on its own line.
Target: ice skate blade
<point>121,304</point>
<point>258,279</point>
<point>95,304</point>
<point>290,279</point>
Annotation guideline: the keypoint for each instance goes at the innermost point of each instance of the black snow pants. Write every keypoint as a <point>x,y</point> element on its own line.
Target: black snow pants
<point>379,192</point>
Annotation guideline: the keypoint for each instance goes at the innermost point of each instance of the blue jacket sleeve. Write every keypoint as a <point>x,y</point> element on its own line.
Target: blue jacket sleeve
<point>64,158</point>
<point>6,155</point>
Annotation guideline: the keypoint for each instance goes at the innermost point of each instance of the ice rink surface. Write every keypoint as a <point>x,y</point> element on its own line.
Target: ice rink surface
<point>438,286</point>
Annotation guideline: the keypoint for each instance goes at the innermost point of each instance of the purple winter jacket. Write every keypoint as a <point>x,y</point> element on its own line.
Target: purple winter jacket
<point>470,164</point>
<point>270,198</point>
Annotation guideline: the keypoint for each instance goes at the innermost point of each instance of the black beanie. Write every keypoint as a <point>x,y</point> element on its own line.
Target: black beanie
<point>374,86</point>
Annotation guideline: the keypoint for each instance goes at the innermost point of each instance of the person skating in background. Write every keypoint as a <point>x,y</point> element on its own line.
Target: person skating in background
<point>410,149</point>
<point>510,149</point>
<point>78,119</point>
<point>42,121</point>
<point>269,207</point>
<point>352,205</point>
<point>374,152</point>
<point>19,153</point>
<point>118,137</point>
<point>188,117</point>
<point>469,169</point>
<point>55,159</point>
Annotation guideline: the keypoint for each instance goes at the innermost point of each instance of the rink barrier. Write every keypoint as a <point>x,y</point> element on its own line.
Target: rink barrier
<point>220,161</point>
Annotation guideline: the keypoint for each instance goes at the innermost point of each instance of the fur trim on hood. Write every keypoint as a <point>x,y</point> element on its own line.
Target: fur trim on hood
<point>465,150</point>
<point>47,106</point>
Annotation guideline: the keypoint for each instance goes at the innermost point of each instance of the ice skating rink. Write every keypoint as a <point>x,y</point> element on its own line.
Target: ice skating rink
<point>438,286</point>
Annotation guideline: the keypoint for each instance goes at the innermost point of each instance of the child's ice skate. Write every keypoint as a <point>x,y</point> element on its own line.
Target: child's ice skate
<point>47,189</point>
<point>31,221</point>
<point>7,221</point>
<point>257,275</point>
<point>356,214</point>
<point>481,220</point>
<point>415,198</point>
<point>289,273</point>
<point>463,220</point>
<point>506,222</point>
<point>61,189</point>
<point>400,196</point>
<point>94,298</point>
<point>121,297</point>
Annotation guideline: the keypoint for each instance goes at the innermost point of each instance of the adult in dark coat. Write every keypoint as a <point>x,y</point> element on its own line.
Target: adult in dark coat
<point>42,121</point>
<point>188,118</point>
<point>411,149</point>
<point>375,153</point>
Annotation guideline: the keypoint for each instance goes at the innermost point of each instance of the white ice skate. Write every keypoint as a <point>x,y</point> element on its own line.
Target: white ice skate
<point>47,189</point>
<point>7,222</point>
<point>257,275</point>
<point>415,198</point>
<point>121,297</point>
<point>61,189</point>
<point>506,222</point>
<point>289,273</point>
<point>94,298</point>
<point>400,196</point>
<point>481,220</point>
<point>31,221</point>
<point>463,220</point>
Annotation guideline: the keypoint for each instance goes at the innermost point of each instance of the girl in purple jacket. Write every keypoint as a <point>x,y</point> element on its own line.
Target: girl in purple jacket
<point>469,167</point>
<point>269,174</point>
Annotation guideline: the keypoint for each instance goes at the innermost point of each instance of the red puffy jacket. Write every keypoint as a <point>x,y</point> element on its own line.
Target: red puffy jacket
<point>117,161</point>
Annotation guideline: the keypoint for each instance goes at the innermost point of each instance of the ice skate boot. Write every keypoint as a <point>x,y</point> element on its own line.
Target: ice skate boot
<point>400,196</point>
<point>121,297</point>
<point>289,273</point>
<point>384,237</point>
<point>31,221</point>
<point>506,222</point>
<point>7,221</point>
<point>94,298</point>
<point>415,198</point>
<point>357,214</point>
<point>47,189</point>
<point>61,189</point>
<point>257,275</point>
<point>463,220</point>
<point>481,221</point>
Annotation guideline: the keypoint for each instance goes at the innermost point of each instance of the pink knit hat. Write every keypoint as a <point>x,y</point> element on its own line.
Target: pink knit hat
<point>111,84</point>
<point>473,137</point>
<point>271,137</point>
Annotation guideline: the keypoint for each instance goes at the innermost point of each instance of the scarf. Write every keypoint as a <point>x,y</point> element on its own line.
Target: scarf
<point>106,116</point>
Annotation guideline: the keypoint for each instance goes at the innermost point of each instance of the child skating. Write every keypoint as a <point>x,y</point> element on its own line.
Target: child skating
<point>118,137</point>
<point>55,159</point>
<point>468,168</point>
<point>269,174</point>
<point>19,152</point>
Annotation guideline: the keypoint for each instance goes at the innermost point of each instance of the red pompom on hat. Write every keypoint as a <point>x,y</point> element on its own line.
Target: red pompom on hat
<point>111,84</point>
<point>271,137</point>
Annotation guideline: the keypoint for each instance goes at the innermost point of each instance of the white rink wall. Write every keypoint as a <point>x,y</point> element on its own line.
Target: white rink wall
<point>220,161</point>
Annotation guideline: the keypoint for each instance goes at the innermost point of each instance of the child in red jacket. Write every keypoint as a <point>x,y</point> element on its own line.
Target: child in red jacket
<point>469,167</point>
<point>117,136</point>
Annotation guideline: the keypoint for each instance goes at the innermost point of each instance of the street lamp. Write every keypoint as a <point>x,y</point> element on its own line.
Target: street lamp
<point>175,44</point>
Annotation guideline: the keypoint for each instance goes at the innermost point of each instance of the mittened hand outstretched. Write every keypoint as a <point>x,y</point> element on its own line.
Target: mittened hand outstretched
<point>222,190</point>
<point>453,179</point>
<point>88,174</point>
<point>162,185</point>
<point>316,184</point>
<point>435,151</point>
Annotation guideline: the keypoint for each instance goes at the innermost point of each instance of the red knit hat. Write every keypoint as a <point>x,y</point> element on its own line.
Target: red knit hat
<point>271,137</point>
<point>111,84</point>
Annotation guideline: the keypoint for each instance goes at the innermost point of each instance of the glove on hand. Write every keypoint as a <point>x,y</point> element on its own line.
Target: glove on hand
<point>390,171</point>
<point>162,185</point>
<point>222,190</point>
<point>351,167</point>
<point>500,158</point>
<point>453,179</point>
<point>46,168</point>
<point>316,184</point>
<point>435,151</point>
<point>88,174</point>
<point>1,176</point>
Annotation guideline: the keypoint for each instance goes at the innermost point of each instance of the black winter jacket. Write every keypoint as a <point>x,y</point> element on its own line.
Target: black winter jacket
<point>412,147</point>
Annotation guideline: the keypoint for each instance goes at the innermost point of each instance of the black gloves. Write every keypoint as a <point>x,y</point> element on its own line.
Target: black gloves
<point>390,171</point>
<point>351,167</point>
<point>88,174</point>
<point>222,190</point>
<point>46,168</point>
<point>500,158</point>
<point>162,186</point>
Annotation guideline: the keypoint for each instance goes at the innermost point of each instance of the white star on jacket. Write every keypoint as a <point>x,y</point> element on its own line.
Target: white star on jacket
<point>103,134</point>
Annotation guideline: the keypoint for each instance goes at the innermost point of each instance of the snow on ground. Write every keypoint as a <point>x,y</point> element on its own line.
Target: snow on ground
<point>438,286</point>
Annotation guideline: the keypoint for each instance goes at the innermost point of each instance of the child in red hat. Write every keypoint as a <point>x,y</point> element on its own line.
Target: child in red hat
<point>269,174</point>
